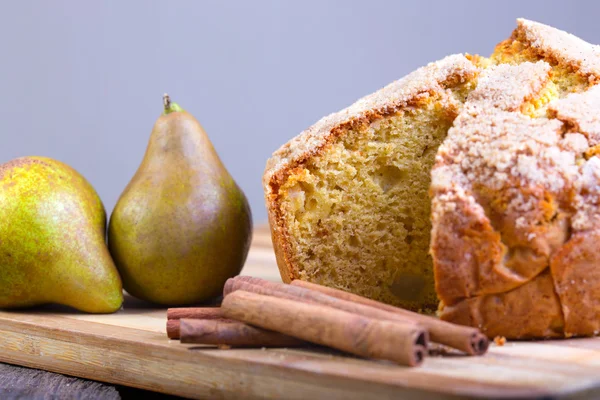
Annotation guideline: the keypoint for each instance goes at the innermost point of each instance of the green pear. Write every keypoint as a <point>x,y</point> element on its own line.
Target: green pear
<point>52,239</point>
<point>182,226</point>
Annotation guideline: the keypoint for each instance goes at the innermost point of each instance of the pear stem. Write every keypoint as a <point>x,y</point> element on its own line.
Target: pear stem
<point>169,106</point>
<point>166,101</point>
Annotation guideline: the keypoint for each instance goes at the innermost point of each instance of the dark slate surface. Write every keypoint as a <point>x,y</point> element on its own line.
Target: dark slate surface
<point>19,383</point>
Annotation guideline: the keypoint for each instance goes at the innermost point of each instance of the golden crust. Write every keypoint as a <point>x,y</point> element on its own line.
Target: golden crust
<point>515,206</point>
<point>422,83</point>
<point>509,314</point>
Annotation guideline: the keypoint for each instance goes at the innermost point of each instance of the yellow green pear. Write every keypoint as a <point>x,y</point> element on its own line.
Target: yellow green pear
<point>52,239</point>
<point>182,226</point>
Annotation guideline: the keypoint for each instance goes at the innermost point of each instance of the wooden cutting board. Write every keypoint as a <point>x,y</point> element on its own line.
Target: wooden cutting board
<point>131,348</point>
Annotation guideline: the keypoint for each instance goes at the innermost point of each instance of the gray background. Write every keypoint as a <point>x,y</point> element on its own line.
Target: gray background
<point>82,81</point>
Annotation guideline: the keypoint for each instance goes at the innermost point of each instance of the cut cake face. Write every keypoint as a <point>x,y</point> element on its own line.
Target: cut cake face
<point>347,199</point>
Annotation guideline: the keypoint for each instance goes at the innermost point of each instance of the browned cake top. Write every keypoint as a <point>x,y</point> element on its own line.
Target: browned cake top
<point>421,83</point>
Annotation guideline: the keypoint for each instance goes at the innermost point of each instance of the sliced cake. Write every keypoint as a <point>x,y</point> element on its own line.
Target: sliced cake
<point>514,190</point>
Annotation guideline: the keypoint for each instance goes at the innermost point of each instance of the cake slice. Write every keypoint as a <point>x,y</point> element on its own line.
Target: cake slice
<point>348,198</point>
<point>516,192</point>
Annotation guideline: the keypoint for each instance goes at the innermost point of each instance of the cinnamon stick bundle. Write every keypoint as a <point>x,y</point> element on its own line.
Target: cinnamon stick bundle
<point>233,333</point>
<point>352,333</point>
<point>467,339</point>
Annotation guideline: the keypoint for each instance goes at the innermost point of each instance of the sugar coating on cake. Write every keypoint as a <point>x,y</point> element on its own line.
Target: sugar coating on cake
<point>506,88</point>
<point>562,47</point>
<point>581,112</point>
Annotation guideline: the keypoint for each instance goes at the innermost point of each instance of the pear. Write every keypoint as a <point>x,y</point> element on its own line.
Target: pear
<point>182,226</point>
<point>52,239</point>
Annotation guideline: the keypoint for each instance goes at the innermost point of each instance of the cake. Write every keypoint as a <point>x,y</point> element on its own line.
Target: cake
<point>515,193</point>
<point>386,199</point>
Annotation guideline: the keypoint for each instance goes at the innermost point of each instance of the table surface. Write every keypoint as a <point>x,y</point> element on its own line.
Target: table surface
<point>569,367</point>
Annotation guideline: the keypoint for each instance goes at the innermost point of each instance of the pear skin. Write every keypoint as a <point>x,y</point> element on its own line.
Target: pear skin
<point>182,226</point>
<point>53,239</point>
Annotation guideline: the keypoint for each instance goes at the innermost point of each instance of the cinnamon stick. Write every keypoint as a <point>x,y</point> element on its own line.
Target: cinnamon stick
<point>469,340</point>
<point>194,312</point>
<point>173,328</point>
<point>366,337</point>
<point>233,333</point>
<point>175,314</point>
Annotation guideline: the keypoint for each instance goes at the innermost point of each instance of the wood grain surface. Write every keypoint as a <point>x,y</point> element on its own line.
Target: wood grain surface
<point>131,348</point>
